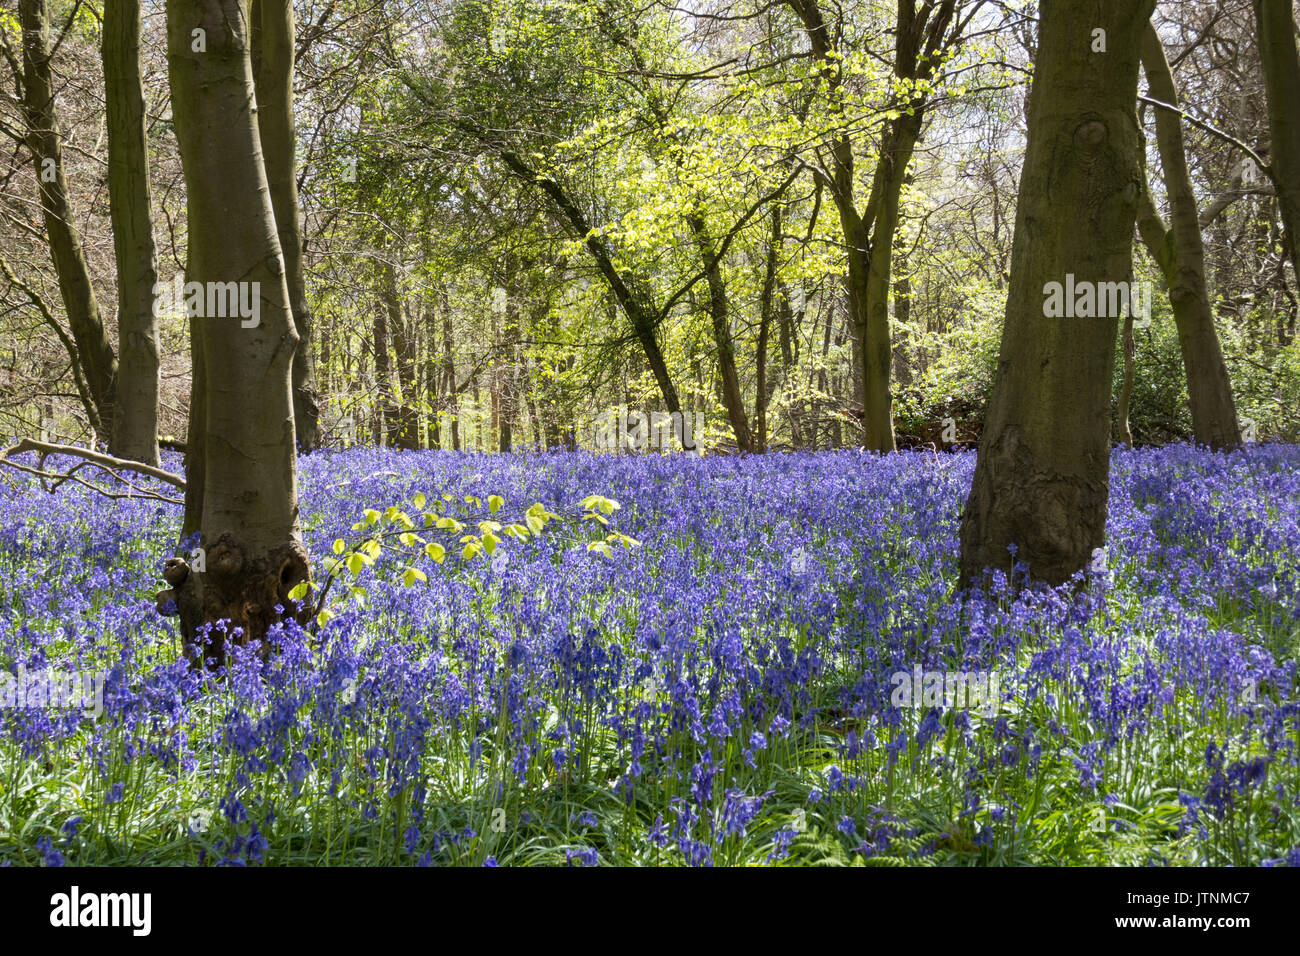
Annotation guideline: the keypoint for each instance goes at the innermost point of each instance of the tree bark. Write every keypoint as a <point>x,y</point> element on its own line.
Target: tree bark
<point>135,421</point>
<point>449,373</point>
<point>1126,390</point>
<point>249,524</point>
<point>272,26</point>
<point>877,341</point>
<point>94,351</point>
<point>385,406</point>
<point>1181,257</point>
<point>733,398</point>
<point>1275,34</point>
<point>920,38</point>
<point>766,314</point>
<point>1042,475</point>
<point>404,421</point>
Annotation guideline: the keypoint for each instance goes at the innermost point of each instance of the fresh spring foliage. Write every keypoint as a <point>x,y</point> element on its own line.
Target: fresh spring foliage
<point>721,695</point>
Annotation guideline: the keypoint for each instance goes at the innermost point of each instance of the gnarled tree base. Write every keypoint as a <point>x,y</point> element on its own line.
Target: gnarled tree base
<point>241,589</point>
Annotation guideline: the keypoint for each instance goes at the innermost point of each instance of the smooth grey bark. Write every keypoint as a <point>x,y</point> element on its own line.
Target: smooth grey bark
<point>249,523</point>
<point>1042,475</point>
<point>135,413</point>
<point>272,23</point>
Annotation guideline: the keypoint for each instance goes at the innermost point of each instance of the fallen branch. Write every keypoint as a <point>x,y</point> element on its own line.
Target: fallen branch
<point>107,463</point>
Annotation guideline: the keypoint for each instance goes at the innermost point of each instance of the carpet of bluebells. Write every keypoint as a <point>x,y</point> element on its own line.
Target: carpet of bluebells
<point>719,695</point>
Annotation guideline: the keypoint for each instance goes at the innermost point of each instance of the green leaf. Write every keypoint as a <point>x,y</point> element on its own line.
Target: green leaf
<point>494,503</point>
<point>412,575</point>
<point>435,551</point>
<point>355,563</point>
<point>419,500</point>
<point>339,545</point>
<point>299,591</point>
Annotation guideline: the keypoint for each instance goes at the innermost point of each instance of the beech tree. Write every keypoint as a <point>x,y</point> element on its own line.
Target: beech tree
<point>272,29</point>
<point>135,413</point>
<point>1178,251</point>
<point>1042,475</point>
<point>921,39</point>
<point>1275,30</point>
<point>93,351</point>
<point>245,504</point>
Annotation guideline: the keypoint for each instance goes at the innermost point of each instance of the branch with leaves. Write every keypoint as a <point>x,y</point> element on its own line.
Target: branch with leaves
<point>408,538</point>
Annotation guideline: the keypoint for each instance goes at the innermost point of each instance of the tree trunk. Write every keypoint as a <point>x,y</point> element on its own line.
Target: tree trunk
<point>449,373</point>
<point>1126,390</point>
<point>902,317</point>
<point>432,388</point>
<point>877,341</point>
<point>249,522</point>
<point>94,351</point>
<point>135,413</point>
<point>765,383</point>
<point>196,433</point>
<point>1181,257</point>
<point>920,37</point>
<point>385,406</point>
<point>1275,34</point>
<point>272,25</point>
<point>733,398</point>
<point>1042,476</point>
<point>404,422</point>
<point>621,285</point>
